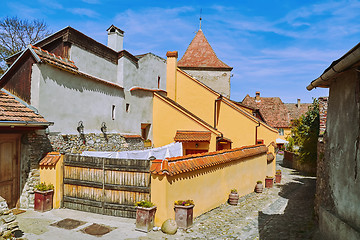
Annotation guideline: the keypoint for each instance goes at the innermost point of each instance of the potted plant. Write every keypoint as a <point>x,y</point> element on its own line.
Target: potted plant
<point>145,214</point>
<point>269,182</point>
<point>184,213</point>
<point>43,197</point>
<point>233,197</point>
<point>259,187</point>
<point>278,176</point>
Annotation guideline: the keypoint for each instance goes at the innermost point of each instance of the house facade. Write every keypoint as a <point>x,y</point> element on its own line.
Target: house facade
<point>78,83</point>
<point>338,187</point>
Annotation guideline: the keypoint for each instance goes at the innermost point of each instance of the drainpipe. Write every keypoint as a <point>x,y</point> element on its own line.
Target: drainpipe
<point>215,110</point>
<point>256,132</point>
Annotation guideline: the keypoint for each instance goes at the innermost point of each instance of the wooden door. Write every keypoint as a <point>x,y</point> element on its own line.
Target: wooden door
<point>9,168</point>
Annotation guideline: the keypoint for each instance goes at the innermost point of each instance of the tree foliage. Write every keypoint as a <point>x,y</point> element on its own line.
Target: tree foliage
<point>305,132</point>
<point>16,34</point>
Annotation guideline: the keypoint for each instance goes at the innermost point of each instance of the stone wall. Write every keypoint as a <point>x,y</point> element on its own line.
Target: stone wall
<point>292,160</point>
<point>8,224</point>
<point>69,143</point>
<point>34,146</point>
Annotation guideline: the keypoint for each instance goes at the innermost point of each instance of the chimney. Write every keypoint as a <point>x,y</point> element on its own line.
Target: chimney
<point>298,102</point>
<point>257,96</point>
<point>171,74</point>
<point>115,38</point>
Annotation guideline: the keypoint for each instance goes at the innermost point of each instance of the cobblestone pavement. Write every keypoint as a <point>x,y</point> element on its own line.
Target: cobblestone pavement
<point>282,212</point>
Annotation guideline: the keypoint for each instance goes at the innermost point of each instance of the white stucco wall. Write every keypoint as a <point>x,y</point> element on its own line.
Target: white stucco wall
<point>150,68</point>
<point>129,72</point>
<point>216,80</point>
<point>93,65</point>
<point>66,99</point>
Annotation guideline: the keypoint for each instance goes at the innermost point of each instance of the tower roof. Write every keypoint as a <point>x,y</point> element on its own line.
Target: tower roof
<point>200,54</point>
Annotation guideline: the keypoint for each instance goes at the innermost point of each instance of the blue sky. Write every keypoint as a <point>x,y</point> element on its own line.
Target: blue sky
<point>275,47</point>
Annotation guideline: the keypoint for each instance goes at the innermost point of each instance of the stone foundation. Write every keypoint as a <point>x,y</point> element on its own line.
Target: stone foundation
<point>8,223</point>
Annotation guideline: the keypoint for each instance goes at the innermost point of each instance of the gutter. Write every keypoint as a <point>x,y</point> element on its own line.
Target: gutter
<point>349,59</point>
<point>25,123</point>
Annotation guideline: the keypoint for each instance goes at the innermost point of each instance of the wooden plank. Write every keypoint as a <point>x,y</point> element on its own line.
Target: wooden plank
<point>83,183</point>
<point>127,188</point>
<point>123,207</point>
<point>82,201</point>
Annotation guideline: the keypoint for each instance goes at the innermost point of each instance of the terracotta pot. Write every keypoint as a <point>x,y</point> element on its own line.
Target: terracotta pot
<point>278,178</point>
<point>269,182</point>
<point>184,215</point>
<point>145,218</point>
<point>259,188</point>
<point>233,198</point>
<point>43,200</point>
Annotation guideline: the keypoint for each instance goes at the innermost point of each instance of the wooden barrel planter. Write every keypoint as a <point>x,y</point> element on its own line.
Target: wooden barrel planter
<point>233,198</point>
<point>259,187</point>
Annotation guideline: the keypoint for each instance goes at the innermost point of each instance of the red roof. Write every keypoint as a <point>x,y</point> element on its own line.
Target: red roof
<point>13,110</point>
<point>200,54</point>
<point>274,111</point>
<point>50,159</point>
<point>188,163</point>
<point>192,136</point>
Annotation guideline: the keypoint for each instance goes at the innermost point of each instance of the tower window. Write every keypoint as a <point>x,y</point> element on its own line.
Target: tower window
<point>127,107</point>
<point>158,81</point>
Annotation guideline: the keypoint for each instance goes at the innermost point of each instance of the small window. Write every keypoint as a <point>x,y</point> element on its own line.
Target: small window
<point>281,131</point>
<point>260,141</point>
<point>158,81</point>
<point>127,108</point>
<point>113,112</point>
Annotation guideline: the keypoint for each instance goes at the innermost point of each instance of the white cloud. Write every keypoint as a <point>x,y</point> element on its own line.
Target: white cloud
<point>84,12</point>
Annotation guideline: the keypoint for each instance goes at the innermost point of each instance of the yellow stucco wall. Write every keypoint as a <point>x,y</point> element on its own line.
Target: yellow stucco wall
<point>195,185</point>
<point>54,175</point>
<point>167,120</point>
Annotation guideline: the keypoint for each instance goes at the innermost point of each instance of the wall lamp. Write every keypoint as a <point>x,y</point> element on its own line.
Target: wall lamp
<point>103,128</point>
<point>80,127</point>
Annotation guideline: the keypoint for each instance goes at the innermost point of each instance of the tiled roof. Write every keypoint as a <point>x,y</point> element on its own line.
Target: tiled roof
<point>67,65</point>
<point>54,59</point>
<point>188,163</point>
<point>200,54</point>
<point>274,111</point>
<point>192,136</point>
<point>50,159</point>
<point>12,110</point>
<point>146,89</point>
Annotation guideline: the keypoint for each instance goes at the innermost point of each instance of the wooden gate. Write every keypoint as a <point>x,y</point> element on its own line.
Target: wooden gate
<point>105,185</point>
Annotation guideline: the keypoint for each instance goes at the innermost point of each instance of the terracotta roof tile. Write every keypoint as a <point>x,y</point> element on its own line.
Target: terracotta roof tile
<point>50,159</point>
<point>274,111</point>
<point>192,136</point>
<point>200,54</point>
<point>146,89</point>
<point>177,165</point>
<point>13,110</point>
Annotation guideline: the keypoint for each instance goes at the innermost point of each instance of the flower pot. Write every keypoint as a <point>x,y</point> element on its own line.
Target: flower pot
<point>184,215</point>
<point>259,188</point>
<point>43,200</point>
<point>269,182</point>
<point>233,198</point>
<point>278,178</point>
<point>145,218</point>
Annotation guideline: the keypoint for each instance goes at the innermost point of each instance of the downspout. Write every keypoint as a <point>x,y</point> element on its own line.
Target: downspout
<point>215,110</point>
<point>256,132</point>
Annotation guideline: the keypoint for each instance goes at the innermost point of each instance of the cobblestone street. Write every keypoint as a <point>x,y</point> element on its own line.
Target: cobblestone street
<point>282,212</point>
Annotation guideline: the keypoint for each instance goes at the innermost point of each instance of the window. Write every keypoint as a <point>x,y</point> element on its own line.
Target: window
<point>145,127</point>
<point>158,81</point>
<point>260,141</point>
<point>113,112</point>
<point>127,107</point>
<point>281,131</point>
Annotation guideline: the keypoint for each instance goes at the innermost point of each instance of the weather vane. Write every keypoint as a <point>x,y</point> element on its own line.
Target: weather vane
<point>200,18</point>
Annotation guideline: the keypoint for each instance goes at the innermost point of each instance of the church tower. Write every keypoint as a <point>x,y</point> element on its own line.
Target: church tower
<point>201,62</point>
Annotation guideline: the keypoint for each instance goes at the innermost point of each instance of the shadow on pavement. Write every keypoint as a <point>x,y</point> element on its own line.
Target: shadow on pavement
<point>297,221</point>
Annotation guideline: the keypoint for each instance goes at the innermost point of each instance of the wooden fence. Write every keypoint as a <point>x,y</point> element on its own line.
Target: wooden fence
<point>104,185</point>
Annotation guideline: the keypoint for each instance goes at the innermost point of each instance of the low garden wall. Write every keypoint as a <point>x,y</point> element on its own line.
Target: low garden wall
<point>292,160</point>
<point>206,178</point>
